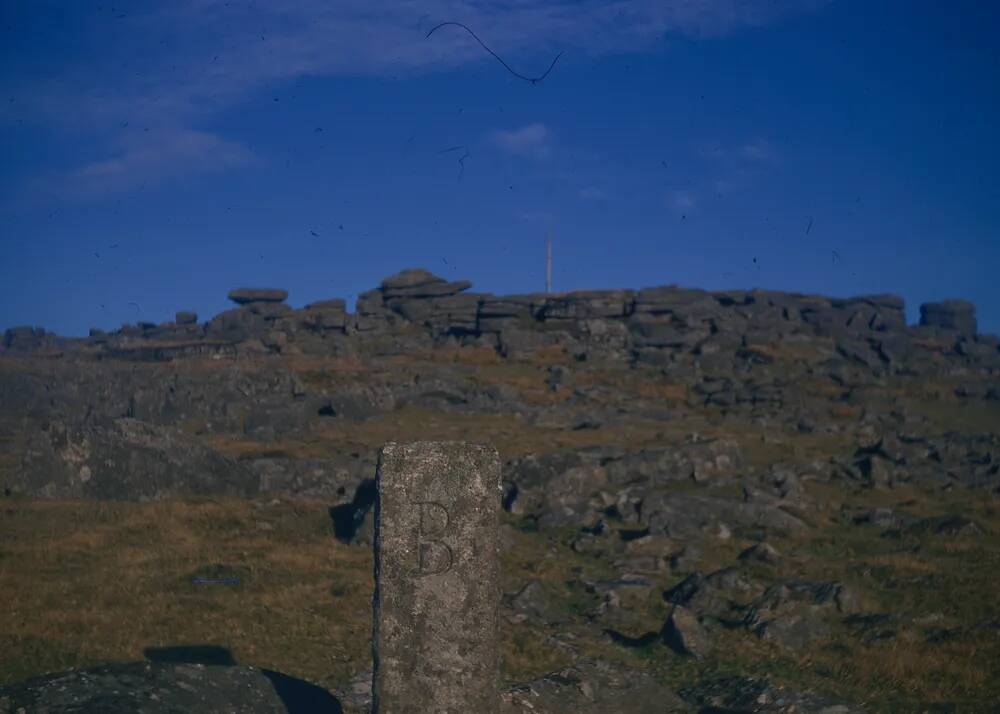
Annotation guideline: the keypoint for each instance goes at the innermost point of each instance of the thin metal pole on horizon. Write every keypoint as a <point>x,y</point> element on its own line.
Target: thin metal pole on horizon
<point>548,265</point>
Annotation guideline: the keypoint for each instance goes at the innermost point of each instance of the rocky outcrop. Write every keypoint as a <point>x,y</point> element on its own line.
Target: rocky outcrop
<point>740,353</point>
<point>668,326</point>
<point>688,442</point>
<point>26,339</point>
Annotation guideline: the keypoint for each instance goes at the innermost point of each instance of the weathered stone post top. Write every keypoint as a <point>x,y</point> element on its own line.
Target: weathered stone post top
<point>437,579</point>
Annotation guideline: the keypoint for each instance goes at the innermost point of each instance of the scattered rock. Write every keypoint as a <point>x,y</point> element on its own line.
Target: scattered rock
<point>795,613</point>
<point>954,526</point>
<point>749,694</point>
<point>761,553</point>
<point>591,687</point>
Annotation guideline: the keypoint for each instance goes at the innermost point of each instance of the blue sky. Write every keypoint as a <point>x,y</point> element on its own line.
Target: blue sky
<point>155,155</point>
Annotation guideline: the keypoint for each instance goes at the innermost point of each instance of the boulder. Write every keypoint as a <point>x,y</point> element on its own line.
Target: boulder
<point>165,688</point>
<point>455,313</point>
<point>428,290</point>
<point>684,634</point>
<point>409,278</point>
<point>957,315</point>
<point>674,299</point>
<point>650,331</point>
<point>586,304</point>
<point>761,553</point>
<point>511,306</point>
<point>242,296</point>
<point>418,283</point>
<point>236,325</point>
<point>715,598</point>
<point>444,313</point>
<point>370,302</point>
<point>270,310</point>
<point>795,613</point>
<point>323,316</point>
<point>124,459</point>
<point>185,317</point>
<point>680,515</point>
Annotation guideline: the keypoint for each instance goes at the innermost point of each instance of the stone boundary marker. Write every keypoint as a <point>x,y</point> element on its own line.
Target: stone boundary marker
<point>437,579</point>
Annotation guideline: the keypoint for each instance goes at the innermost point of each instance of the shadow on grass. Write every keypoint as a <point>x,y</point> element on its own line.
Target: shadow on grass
<point>347,518</point>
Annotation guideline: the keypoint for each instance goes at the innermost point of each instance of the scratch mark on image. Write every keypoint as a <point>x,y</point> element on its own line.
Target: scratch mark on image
<point>532,80</point>
<point>461,159</point>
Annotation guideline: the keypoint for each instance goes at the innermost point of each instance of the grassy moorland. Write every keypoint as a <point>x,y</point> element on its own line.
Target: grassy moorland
<point>84,583</point>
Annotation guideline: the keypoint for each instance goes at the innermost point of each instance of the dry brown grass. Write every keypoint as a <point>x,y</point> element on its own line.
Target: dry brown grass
<point>94,582</point>
<point>905,674</point>
<point>511,435</point>
<point>845,411</point>
<point>454,355</point>
<point>90,582</point>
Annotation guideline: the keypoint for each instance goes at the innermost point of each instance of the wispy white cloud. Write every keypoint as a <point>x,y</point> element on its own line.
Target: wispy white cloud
<point>722,186</point>
<point>532,140</point>
<point>738,166</point>
<point>191,57</point>
<point>178,64</point>
<point>758,151</point>
<point>592,193</point>
<point>715,151</point>
<point>682,201</point>
<point>536,216</point>
<point>147,157</point>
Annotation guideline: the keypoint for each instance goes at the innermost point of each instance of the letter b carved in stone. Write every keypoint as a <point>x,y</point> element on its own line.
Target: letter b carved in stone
<point>434,557</point>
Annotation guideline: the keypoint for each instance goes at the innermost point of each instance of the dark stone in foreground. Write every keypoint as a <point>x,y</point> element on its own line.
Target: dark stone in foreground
<point>166,688</point>
<point>437,589</point>
<point>242,296</point>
